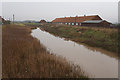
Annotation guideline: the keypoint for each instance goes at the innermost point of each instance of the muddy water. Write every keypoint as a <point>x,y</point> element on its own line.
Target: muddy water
<point>95,63</point>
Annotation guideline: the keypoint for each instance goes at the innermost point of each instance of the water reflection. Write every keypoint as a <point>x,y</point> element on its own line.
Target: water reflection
<point>95,63</point>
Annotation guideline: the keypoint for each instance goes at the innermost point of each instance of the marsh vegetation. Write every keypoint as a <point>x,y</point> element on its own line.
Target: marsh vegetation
<point>24,57</point>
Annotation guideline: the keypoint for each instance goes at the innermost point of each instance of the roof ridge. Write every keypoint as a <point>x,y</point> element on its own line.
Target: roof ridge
<point>80,16</point>
<point>95,20</point>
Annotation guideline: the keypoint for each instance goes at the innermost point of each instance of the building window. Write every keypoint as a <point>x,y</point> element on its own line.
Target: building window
<point>69,23</point>
<point>76,23</point>
<point>65,23</point>
<point>80,24</point>
<point>72,23</point>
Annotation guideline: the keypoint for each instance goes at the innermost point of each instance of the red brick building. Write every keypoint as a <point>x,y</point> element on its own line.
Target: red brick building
<point>1,19</point>
<point>79,20</point>
<point>42,21</point>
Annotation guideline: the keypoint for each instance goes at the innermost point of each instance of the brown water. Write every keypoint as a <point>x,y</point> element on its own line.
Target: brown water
<point>95,63</point>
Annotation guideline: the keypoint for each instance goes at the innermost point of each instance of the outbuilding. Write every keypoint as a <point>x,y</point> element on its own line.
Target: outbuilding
<point>97,23</point>
<point>2,20</point>
<point>42,21</point>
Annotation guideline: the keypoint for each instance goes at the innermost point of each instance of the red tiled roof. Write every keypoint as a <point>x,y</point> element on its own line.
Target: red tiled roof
<point>42,21</point>
<point>77,19</point>
<point>0,18</point>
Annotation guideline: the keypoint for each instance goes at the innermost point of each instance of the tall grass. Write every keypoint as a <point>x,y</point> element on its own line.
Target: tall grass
<point>24,57</point>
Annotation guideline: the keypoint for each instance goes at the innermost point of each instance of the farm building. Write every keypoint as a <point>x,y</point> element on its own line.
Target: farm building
<point>98,23</point>
<point>79,21</point>
<point>42,21</point>
<point>1,20</point>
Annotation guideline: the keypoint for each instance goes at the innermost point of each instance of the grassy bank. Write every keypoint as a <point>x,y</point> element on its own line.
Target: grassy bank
<point>32,24</point>
<point>24,57</point>
<point>105,38</point>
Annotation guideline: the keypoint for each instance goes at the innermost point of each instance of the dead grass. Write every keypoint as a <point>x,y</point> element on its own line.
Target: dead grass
<point>24,57</point>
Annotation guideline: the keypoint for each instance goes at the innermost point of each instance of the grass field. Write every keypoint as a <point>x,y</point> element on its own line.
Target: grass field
<point>105,38</point>
<point>24,57</point>
<point>32,24</point>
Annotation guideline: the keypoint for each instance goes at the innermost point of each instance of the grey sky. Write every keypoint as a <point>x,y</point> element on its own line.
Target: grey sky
<point>51,10</point>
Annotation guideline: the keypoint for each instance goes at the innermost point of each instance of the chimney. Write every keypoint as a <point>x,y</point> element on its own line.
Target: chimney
<point>84,15</point>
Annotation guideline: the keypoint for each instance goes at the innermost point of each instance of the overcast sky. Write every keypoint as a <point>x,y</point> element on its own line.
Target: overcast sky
<point>51,10</point>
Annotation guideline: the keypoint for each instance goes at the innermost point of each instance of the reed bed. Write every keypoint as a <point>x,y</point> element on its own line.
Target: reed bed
<point>24,57</point>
